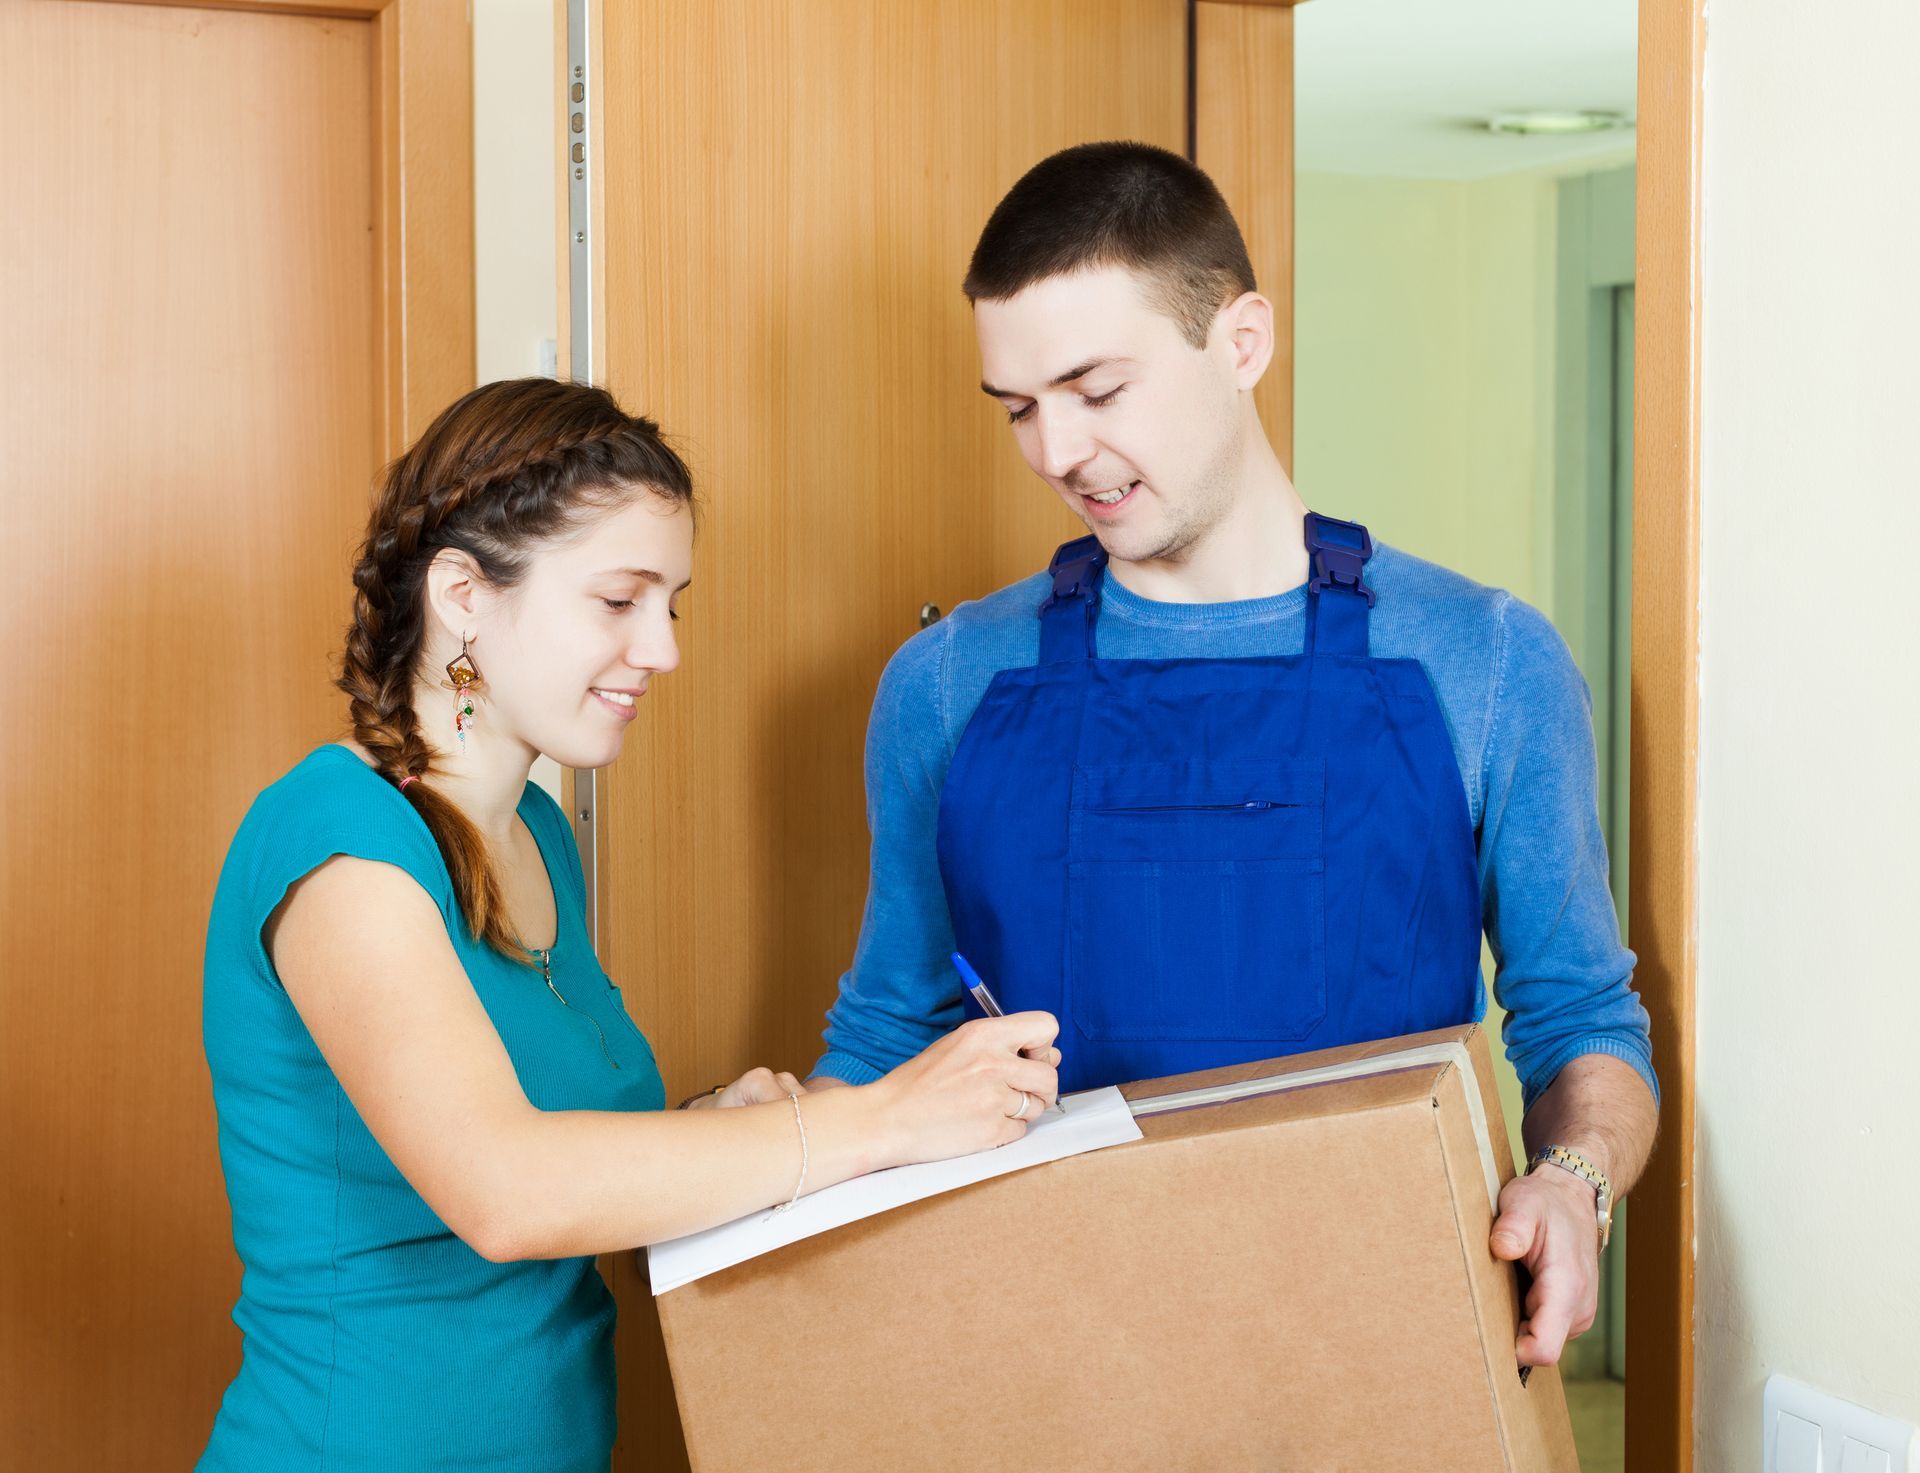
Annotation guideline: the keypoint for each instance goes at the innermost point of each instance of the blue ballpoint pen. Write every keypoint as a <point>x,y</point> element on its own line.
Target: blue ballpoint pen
<point>989,1004</point>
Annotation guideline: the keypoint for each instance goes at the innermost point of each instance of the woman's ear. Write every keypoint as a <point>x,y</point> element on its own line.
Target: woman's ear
<point>457,596</point>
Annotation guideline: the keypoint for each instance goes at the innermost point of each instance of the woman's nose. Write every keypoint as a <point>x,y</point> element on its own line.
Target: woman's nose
<point>659,651</point>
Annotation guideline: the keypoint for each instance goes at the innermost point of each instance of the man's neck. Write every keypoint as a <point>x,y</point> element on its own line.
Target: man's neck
<point>1254,551</point>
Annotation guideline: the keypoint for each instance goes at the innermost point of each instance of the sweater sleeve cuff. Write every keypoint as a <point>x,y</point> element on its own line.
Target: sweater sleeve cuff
<point>1634,1051</point>
<point>847,1067</point>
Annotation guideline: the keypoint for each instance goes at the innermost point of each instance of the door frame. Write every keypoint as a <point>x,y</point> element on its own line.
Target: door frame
<point>1662,910</point>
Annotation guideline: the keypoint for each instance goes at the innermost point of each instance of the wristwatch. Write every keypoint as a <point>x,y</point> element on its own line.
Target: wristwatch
<point>1581,1167</point>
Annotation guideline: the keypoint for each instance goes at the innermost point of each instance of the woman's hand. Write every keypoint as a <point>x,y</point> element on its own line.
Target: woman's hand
<point>755,1087</point>
<point>978,1087</point>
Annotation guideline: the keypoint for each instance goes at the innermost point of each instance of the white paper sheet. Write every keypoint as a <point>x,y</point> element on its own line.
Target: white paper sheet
<point>1097,1118</point>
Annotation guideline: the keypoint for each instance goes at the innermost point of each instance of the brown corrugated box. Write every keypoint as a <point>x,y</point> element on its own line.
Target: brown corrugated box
<point>1294,1280</point>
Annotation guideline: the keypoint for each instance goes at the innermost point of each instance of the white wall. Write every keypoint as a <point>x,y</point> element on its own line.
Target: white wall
<point>515,155</point>
<point>1808,1168</point>
<point>515,207</point>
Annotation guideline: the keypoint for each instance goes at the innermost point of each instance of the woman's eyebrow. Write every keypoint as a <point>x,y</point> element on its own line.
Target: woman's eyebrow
<point>646,575</point>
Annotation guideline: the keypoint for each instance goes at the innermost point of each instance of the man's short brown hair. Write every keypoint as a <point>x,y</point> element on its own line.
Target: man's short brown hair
<point>1117,204</point>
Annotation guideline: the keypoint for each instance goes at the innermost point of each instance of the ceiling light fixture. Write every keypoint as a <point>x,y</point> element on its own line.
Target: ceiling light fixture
<point>1558,123</point>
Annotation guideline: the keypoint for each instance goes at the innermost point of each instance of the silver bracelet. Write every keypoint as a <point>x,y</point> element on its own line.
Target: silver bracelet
<point>800,1185</point>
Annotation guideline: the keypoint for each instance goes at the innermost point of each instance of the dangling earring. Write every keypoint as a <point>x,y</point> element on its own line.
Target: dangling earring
<point>463,679</point>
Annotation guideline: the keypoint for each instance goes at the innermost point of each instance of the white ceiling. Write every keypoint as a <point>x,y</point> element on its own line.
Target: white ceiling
<point>1404,87</point>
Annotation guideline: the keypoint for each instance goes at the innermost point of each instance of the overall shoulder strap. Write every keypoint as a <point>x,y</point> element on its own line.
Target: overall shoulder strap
<point>1067,617</point>
<point>1338,601</point>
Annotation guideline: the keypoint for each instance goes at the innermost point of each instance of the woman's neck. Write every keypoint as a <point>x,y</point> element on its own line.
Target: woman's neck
<point>486,779</point>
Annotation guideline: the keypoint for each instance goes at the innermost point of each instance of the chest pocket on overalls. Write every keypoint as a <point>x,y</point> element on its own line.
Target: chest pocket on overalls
<point>1196,904</point>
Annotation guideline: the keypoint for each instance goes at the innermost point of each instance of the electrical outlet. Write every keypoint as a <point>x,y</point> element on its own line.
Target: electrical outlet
<point>1808,1431</point>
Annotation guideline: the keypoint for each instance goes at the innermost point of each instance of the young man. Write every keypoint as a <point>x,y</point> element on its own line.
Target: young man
<point>1229,781</point>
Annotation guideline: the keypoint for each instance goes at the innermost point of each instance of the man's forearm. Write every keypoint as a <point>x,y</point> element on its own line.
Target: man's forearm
<point>1602,1108</point>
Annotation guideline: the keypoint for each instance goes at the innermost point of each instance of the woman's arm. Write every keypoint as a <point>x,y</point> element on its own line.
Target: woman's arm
<point>364,955</point>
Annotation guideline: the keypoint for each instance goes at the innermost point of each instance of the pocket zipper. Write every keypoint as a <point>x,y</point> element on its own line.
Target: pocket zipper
<point>1254,804</point>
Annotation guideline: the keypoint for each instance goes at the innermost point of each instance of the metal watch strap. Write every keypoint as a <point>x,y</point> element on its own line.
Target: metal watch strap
<point>1578,1165</point>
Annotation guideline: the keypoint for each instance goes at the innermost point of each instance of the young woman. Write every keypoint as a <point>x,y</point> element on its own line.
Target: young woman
<point>434,1109</point>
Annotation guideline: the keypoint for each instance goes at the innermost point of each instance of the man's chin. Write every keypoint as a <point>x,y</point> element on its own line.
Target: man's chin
<point>1135,544</point>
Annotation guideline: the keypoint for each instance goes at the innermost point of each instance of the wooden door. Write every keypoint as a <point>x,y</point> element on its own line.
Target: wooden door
<point>209,350</point>
<point>790,197</point>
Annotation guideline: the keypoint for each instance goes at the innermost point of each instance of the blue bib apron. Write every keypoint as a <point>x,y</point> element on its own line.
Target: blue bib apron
<point>1202,862</point>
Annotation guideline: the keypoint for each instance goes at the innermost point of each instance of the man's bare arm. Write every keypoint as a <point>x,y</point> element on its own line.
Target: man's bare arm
<point>1602,1108</point>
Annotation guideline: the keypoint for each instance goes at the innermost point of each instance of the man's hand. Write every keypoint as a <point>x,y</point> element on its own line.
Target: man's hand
<point>1599,1106</point>
<point>1547,1222</point>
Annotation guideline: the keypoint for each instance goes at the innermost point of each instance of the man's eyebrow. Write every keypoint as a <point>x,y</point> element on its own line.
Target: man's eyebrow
<point>1079,370</point>
<point>647,575</point>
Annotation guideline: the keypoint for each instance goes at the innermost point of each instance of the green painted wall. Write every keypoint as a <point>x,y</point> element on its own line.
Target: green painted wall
<point>1423,367</point>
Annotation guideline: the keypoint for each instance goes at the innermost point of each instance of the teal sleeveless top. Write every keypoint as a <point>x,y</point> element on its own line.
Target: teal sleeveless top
<point>373,1337</point>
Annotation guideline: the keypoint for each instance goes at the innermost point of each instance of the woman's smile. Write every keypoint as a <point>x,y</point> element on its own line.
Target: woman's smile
<point>623,703</point>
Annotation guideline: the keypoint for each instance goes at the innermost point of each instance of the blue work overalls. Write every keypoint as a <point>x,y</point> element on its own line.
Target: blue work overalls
<point>1203,862</point>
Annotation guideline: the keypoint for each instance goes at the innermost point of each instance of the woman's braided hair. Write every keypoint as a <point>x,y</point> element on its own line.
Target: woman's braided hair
<point>509,466</point>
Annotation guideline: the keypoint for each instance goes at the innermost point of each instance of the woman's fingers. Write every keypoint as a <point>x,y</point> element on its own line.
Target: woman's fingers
<point>1018,1050</point>
<point>1035,1078</point>
<point>978,1087</point>
<point>1033,1031</point>
<point>1048,1056</point>
<point>760,1087</point>
<point>1031,1034</point>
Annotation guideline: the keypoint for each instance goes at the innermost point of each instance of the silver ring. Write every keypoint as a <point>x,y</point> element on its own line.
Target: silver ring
<point>1022,1113</point>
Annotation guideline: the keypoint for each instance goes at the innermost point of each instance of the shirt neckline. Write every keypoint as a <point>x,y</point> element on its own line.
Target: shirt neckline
<point>553,951</point>
<point>1153,613</point>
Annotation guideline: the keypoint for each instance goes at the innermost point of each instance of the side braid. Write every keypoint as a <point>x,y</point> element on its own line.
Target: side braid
<point>509,465</point>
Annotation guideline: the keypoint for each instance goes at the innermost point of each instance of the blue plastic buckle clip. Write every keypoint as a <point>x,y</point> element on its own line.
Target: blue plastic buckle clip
<point>1070,572</point>
<point>1338,563</point>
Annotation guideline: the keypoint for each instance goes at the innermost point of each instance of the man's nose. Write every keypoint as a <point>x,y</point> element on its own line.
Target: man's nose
<point>1062,445</point>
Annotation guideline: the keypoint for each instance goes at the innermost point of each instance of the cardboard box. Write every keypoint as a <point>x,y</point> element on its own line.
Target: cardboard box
<point>1294,1281</point>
